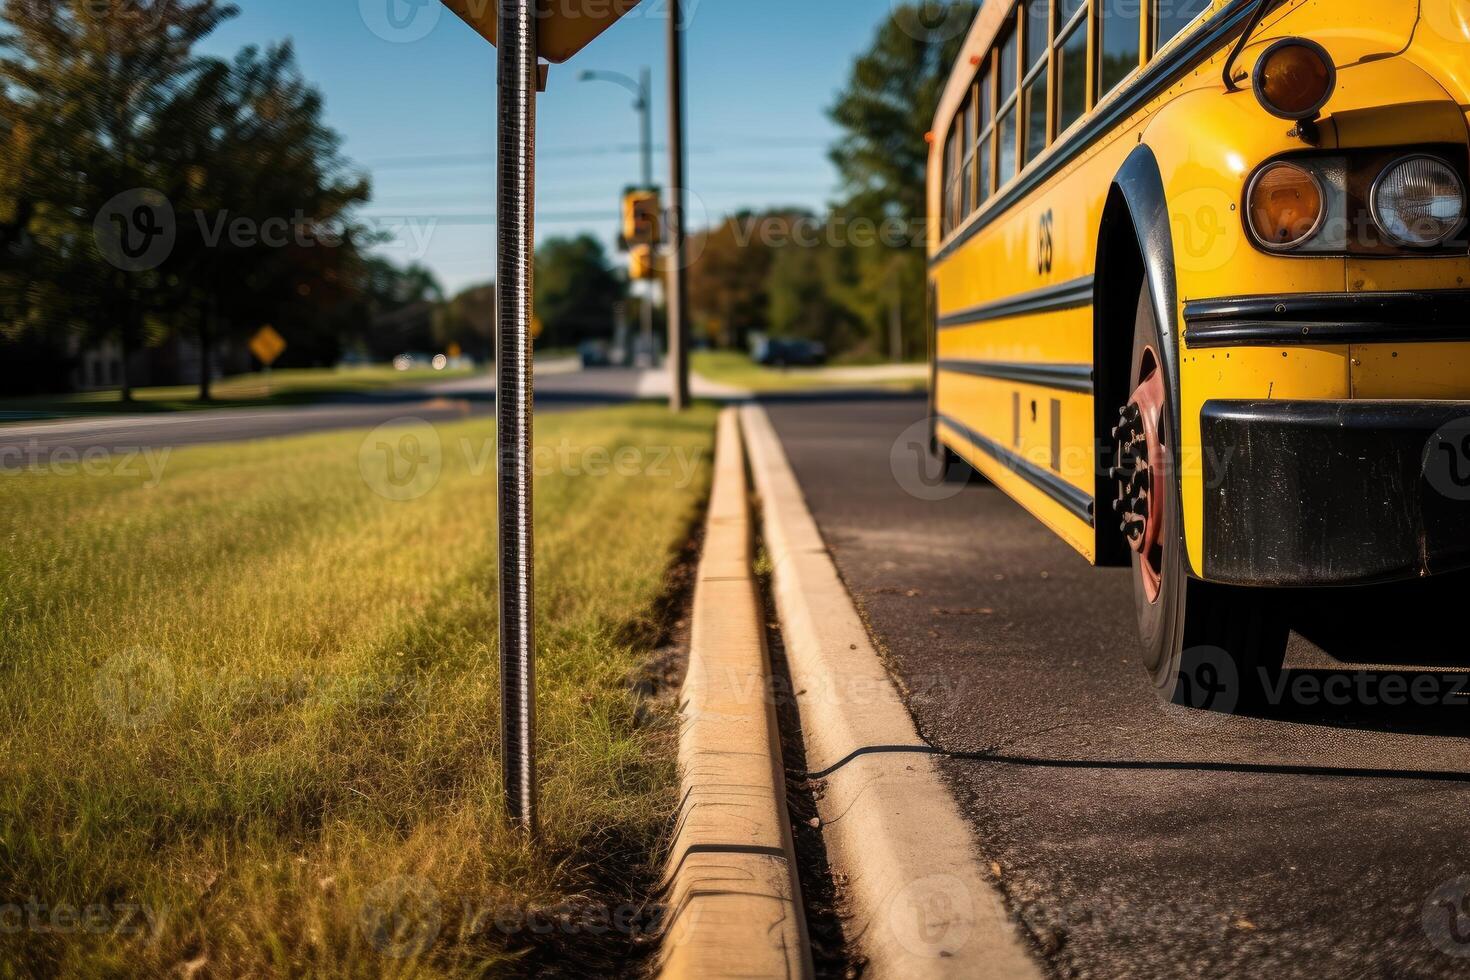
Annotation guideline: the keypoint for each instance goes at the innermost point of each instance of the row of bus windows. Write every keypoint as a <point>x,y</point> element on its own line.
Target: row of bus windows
<point>1003,124</point>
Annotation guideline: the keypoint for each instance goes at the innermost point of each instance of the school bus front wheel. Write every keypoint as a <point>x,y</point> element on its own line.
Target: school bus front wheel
<point>1206,645</point>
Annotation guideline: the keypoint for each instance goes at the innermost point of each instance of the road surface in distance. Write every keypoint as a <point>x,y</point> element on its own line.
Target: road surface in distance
<point>437,402</point>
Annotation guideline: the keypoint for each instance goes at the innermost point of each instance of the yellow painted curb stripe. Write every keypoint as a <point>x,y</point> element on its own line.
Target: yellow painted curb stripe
<point>733,894</point>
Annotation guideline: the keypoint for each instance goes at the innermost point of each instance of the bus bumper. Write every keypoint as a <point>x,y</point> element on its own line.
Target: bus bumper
<point>1310,493</point>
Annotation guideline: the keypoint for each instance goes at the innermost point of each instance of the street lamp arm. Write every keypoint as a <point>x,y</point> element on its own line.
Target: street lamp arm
<point>643,103</point>
<point>617,78</point>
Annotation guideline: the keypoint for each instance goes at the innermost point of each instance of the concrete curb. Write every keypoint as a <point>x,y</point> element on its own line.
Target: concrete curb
<point>919,905</point>
<point>732,889</point>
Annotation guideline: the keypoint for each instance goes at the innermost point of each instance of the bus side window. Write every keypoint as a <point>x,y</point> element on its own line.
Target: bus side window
<point>952,152</point>
<point>1173,16</point>
<point>1007,77</point>
<point>1038,39</point>
<point>1071,62</point>
<point>1117,44</point>
<point>944,188</point>
<point>967,150</point>
<point>986,128</point>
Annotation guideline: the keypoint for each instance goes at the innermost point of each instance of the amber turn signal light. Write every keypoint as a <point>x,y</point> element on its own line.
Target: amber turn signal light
<point>1285,205</point>
<point>1294,78</point>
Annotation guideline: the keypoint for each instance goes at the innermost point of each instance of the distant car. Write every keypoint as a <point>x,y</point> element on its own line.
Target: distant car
<point>595,353</point>
<point>790,353</point>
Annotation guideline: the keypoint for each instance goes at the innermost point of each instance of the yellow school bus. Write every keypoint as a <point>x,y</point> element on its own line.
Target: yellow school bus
<point>1200,298</point>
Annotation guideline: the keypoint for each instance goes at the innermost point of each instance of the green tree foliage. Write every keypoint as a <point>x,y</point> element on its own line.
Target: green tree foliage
<point>402,310</point>
<point>729,279</point>
<point>106,101</point>
<point>576,289</point>
<point>807,290</point>
<point>264,199</point>
<point>839,279</point>
<point>885,111</point>
<point>88,86</point>
<point>468,319</point>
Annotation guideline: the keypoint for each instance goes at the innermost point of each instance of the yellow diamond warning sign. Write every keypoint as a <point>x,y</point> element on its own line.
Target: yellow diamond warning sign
<point>563,27</point>
<point>267,345</point>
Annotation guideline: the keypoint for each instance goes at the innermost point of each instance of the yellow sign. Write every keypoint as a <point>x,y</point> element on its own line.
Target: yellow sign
<point>563,28</point>
<point>454,350</point>
<point>536,327</point>
<point>267,345</point>
<point>642,224</point>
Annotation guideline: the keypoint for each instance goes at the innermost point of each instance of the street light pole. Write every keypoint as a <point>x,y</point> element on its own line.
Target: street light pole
<point>645,107</point>
<point>677,301</point>
<point>517,76</point>
<point>642,89</point>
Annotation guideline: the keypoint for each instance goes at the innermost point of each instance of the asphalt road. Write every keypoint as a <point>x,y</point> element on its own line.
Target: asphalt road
<point>446,401</point>
<point>1329,837</point>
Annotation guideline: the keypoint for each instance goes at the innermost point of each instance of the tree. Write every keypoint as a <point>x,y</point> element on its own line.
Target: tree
<point>885,112</point>
<point>807,284</point>
<point>145,189</point>
<point>728,282</point>
<point>468,319</point>
<point>402,309</point>
<point>576,290</point>
<point>266,198</point>
<point>87,83</point>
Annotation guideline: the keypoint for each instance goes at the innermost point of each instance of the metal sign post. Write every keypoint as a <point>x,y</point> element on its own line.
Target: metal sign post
<point>521,32</point>
<point>517,75</point>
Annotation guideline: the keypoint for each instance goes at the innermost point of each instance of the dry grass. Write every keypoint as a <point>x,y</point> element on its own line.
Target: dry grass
<point>247,714</point>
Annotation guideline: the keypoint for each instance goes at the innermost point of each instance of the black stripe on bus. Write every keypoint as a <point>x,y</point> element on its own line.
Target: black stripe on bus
<point>1428,316</point>
<point>1157,77</point>
<point>1048,299</point>
<point>1063,377</point>
<point>1076,501</point>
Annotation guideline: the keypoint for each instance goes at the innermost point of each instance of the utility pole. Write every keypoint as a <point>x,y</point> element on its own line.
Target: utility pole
<point>677,301</point>
<point>517,76</point>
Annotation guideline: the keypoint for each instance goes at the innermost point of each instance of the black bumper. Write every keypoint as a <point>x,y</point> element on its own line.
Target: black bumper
<point>1335,493</point>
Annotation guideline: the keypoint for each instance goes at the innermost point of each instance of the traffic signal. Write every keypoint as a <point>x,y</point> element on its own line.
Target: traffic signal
<point>642,218</point>
<point>641,262</point>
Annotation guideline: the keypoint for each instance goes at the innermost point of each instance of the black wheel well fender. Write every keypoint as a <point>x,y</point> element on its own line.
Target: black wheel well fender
<point>1135,246</point>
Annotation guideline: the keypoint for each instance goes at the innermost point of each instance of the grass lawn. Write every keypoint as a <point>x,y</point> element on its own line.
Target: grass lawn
<point>249,717</point>
<point>735,368</point>
<point>290,387</point>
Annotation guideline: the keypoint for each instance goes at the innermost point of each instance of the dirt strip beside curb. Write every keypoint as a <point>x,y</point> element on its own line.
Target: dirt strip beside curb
<point>732,892</point>
<point>917,900</point>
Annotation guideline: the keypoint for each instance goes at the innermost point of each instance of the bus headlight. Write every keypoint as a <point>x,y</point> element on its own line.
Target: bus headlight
<point>1419,201</point>
<point>1285,205</point>
<point>1294,78</point>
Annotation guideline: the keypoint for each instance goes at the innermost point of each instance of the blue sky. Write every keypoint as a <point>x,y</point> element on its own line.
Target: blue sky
<point>416,106</point>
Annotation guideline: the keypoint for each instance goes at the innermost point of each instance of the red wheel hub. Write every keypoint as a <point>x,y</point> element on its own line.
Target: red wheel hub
<point>1141,474</point>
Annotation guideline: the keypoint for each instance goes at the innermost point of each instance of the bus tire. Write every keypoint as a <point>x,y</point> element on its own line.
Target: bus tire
<point>1206,645</point>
